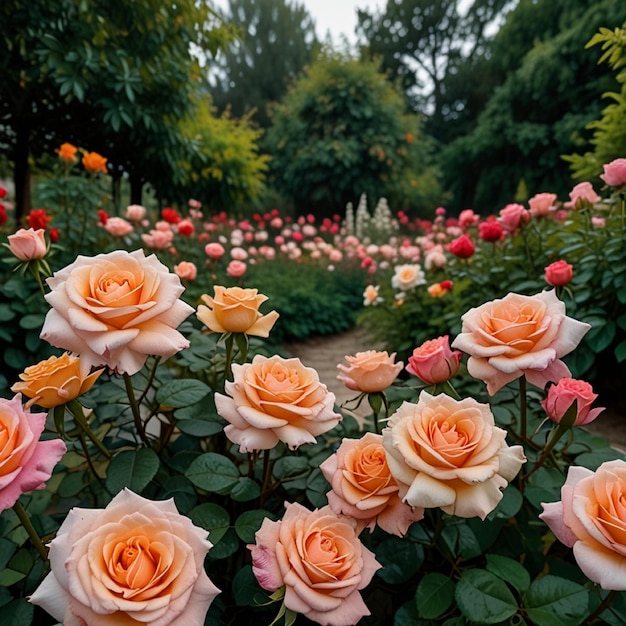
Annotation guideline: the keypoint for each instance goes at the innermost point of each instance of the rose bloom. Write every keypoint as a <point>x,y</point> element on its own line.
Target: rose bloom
<point>236,269</point>
<point>186,270</point>
<point>171,216</point>
<point>435,258</point>
<point>135,212</point>
<point>25,462</point>
<point>93,162</point>
<point>28,244</point>
<point>236,310</point>
<point>462,247</point>
<point>407,276</point>
<point>55,381</point>
<point>519,336</point>
<point>542,204</point>
<point>615,173</point>
<point>158,239</point>
<point>67,152</point>
<point>591,519</point>
<point>512,216</point>
<point>448,453</point>
<point>369,371</point>
<point>118,227</point>
<point>134,562</point>
<point>275,399</point>
<point>468,218</point>
<point>214,250</point>
<point>115,309</point>
<point>434,362</point>
<point>491,231</point>
<point>598,222</point>
<point>566,393</point>
<point>370,295</point>
<point>185,228</point>
<point>364,489</point>
<point>583,195</point>
<point>38,219</point>
<point>558,273</point>
<point>318,558</point>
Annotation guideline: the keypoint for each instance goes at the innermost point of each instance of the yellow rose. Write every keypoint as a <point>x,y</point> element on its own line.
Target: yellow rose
<point>55,381</point>
<point>236,310</point>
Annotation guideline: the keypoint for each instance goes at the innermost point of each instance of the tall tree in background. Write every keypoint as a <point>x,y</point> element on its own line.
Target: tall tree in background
<point>276,39</point>
<point>109,76</point>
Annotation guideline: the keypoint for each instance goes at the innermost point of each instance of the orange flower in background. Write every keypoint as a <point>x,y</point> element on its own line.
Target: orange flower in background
<point>93,162</point>
<point>370,371</point>
<point>67,152</point>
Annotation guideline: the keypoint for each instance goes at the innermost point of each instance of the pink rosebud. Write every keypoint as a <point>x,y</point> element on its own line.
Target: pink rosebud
<point>558,273</point>
<point>434,362</point>
<point>28,244</point>
<point>462,246</point>
<point>598,222</point>
<point>564,394</point>
<point>615,173</point>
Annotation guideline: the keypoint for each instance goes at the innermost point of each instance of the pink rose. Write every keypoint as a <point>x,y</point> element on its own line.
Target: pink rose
<point>583,195</point>
<point>434,362</point>
<point>118,227</point>
<point>115,309</point>
<point>558,273</point>
<point>364,489</point>
<point>566,393</point>
<point>186,270</point>
<point>598,222</point>
<point>318,558</point>
<point>28,244</point>
<point>214,250</point>
<point>158,239</point>
<point>468,218</point>
<point>591,519</point>
<point>542,204</point>
<point>236,269</point>
<point>512,216</point>
<point>135,212</point>
<point>615,173</point>
<point>369,371</point>
<point>25,462</point>
<point>275,399</point>
<point>519,336</point>
<point>448,453</point>
<point>133,562</point>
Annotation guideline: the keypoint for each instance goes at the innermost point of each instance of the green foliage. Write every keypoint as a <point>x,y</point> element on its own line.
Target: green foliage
<point>342,131</point>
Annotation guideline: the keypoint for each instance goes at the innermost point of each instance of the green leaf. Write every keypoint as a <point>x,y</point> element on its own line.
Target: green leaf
<point>34,320</point>
<point>213,518</point>
<point>246,589</point>
<point>245,490</point>
<point>249,522</point>
<point>133,469</point>
<point>213,472</point>
<point>484,598</point>
<point>18,613</point>
<point>554,601</point>
<point>9,577</point>
<point>509,570</point>
<point>400,559</point>
<point>179,393</point>
<point>434,595</point>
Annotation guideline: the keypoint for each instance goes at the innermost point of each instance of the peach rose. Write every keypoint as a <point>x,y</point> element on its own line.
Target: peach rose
<point>236,310</point>
<point>370,295</point>
<point>407,276</point>
<point>118,227</point>
<point>158,239</point>
<point>434,362</point>
<point>115,309</point>
<point>186,270</point>
<point>369,371</point>
<point>55,381</point>
<point>134,562</point>
<point>519,336</point>
<point>364,489</point>
<point>448,453</point>
<point>591,519</point>
<point>566,393</point>
<point>25,462</point>
<point>318,558</point>
<point>614,173</point>
<point>542,204</point>
<point>135,212</point>
<point>28,244</point>
<point>275,399</point>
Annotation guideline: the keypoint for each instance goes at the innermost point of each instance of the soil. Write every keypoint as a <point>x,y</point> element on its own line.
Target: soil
<point>324,353</point>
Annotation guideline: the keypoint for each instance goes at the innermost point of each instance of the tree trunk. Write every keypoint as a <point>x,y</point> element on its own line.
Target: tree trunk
<point>21,174</point>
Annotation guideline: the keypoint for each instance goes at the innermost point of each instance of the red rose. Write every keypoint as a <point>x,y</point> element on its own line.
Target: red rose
<point>462,247</point>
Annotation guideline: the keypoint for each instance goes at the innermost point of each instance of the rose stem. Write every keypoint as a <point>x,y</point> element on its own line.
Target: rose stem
<point>30,529</point>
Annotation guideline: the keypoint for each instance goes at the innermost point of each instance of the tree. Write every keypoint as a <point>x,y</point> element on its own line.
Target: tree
<point>112,77</point>
<point>275,41</point>
<point>342,131</point>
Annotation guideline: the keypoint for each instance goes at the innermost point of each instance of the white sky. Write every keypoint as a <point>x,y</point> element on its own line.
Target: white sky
<point>336,16</point>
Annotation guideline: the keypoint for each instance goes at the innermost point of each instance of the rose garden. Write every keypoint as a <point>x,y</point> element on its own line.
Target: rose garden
<point>165,460</point>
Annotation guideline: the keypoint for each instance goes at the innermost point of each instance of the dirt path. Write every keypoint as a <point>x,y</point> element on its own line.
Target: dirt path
<point>324,353</point>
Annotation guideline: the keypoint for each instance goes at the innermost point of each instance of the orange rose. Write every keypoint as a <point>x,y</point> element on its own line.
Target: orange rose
<point>236,310</point>
<point>55,381</point>
<point>369,371</point>
<point>448,453</point>
<point>134,562</point>
<point>318,558</point>
<point>275,399</point>
<point>67,152</point>
<point>364,489</point>
<point>93,162</point>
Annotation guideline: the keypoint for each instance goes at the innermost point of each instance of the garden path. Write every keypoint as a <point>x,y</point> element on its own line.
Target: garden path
<point>324,353</point>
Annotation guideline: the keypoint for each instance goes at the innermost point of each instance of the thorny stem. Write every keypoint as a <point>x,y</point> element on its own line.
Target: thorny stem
<point>30,529</point>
